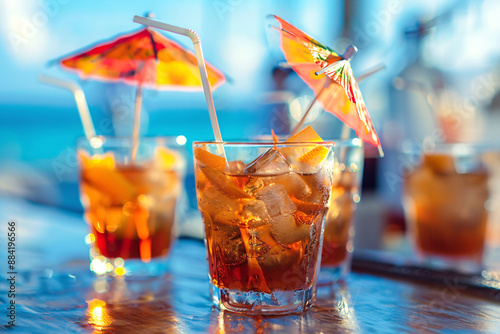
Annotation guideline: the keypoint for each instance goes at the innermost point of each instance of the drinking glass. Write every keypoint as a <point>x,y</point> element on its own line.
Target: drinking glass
<point>130,203</point>
<point>263,207</point>
<point>445,200</point>
<point>345,195</point>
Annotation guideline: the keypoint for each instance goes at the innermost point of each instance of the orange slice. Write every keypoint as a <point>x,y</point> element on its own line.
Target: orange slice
<point>275,138</point>
<point>315,156</point>
<point>306,135</point>
<point>100,172</point>
<point>209,159</point>
<point>165,158</point>
<point>307,207</point>
<point>222,183</point>
<point>110,182</point>
<point>105,161</point>
<point>312,157</point>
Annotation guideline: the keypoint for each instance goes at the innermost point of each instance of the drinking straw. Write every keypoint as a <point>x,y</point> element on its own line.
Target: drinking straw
<point>136,126</point>
<point>201,65</point>
<point>137,122</point>
<point>81,102</point>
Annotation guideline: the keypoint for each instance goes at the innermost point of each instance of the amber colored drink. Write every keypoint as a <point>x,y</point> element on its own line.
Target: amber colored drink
<point>446,208</point>
<point>338,222</point>
<point>130,207</point>
<point>263,223</point>
<point>339,227</point>
<point>137,224</point>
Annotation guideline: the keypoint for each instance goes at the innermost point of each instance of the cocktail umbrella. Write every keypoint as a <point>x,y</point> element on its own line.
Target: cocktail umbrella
<point>146,59</point>
<point>341,95</point>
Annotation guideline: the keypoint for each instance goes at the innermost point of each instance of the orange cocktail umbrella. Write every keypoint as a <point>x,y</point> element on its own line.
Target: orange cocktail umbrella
<point>144,58</point>
<point>341,95</point>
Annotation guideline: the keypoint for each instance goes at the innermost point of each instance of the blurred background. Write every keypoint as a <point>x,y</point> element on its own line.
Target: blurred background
<point>442,66</point>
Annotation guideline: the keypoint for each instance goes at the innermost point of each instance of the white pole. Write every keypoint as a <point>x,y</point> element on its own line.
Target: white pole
<point>137,123</point>
<point>81,102</point>
<point>201,65</point>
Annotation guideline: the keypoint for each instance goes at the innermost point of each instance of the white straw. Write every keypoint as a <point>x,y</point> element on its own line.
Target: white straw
<point>137,123</point>
<point>201,65</point>
<point>81,102</point>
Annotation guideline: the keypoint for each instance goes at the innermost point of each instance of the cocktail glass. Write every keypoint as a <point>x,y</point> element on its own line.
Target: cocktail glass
<point>130,205</point>
<point>445,197</point>
<point>346,194</point>
<point>263,208</point>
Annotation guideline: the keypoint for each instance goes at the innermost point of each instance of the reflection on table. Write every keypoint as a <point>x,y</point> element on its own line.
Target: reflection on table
<point>58,293</point>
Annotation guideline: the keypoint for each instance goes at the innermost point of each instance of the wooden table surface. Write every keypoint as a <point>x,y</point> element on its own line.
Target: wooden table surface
<point>56,293</point>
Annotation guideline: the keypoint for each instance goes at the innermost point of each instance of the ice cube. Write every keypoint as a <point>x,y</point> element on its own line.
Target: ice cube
<point>235,167</point>
<point>287,231</point>
<point>284,268</point>
<point>271,162</point>
<point>294,184</point>
<point>256,228</point>
<point>227,236</point>
<point>256,247</point>
<point>213,201</point>
<point>279,258</point>
<point>255,213</point>
<point>224,183</point>
<point>320,185</point>
<point>254,184</point>
<point>276,199</point>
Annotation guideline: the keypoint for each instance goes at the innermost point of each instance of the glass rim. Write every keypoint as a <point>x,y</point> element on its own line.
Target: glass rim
<point>264,143</point>
<point>449,148</point>
<point>81,141</point>
<point>355,141</point>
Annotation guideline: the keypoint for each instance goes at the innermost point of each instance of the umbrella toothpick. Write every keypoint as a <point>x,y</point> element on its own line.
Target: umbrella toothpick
<point>326,68</point>
<point>349,52</point>
<point>371,72</point>
<point>346,131</point>
<point>344,99</point>
<point>311,105</point>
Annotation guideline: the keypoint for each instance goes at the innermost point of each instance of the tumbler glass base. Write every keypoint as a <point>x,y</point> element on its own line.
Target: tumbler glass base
<point>261,303</point>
